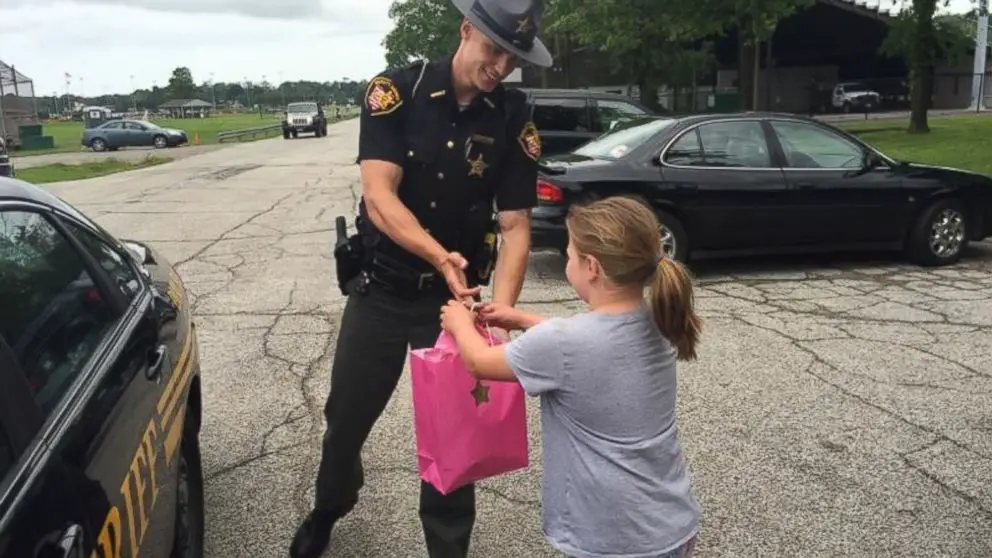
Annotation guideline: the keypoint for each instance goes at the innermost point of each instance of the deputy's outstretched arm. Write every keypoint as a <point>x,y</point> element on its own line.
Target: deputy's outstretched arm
<point>380,182</point>
<point>381,153</point>
<point>516,194</point>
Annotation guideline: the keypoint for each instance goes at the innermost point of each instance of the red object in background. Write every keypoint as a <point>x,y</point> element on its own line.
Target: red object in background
<point>548,192</point>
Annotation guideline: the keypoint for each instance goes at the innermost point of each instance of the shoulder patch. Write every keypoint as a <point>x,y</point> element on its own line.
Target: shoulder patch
<point>382,96</point>
<point>530,141</point>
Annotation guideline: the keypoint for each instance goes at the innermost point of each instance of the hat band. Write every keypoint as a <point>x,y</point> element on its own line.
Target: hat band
<point>525,42</point>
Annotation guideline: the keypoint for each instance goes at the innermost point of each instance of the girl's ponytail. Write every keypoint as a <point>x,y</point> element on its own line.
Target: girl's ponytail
<point>672,307</point>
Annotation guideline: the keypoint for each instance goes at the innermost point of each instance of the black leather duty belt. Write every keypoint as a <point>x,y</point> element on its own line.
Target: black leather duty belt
<point>402,280</point>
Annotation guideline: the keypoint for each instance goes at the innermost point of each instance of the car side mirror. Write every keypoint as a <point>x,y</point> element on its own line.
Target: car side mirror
<point>871,160</point>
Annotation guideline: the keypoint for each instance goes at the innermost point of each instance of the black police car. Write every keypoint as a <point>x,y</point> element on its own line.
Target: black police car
<point>99,390</point>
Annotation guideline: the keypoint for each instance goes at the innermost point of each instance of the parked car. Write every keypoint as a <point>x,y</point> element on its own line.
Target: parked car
<point>6,166</point>
<point>854,97</point>
<point>100,405</point>
<point>568,118</point>
<point>760,182</point>
<point>305,117</point>
<point>116,134</point>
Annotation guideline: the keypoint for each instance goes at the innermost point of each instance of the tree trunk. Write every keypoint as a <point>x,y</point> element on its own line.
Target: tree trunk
<point>757,72</point>
<point>745,70</point>
<point>649,91</point>
<point>921,65</point>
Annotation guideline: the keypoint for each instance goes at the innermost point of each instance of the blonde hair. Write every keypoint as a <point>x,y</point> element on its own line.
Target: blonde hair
<point>624,236</point>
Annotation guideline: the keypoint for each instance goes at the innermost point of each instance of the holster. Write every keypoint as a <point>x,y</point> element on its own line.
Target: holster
<point>481,267</point>
<point>349,256</point>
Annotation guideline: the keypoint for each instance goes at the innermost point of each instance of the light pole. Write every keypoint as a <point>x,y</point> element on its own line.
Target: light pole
<point>213,92</point>
<point>979,70</point>
<point>134,102</point>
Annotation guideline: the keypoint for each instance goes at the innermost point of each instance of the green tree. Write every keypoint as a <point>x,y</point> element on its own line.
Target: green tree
<point>922,38</point>
<point>422,29</point>
<point>644,39</point>
<point>181,84</point>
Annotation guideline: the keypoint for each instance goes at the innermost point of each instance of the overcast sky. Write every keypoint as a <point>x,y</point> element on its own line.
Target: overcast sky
<point>105,42</point>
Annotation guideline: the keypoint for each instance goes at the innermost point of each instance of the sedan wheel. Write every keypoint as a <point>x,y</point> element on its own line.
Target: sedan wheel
<point>940,234</point>
<point>668,245</point>
<point>161,142</point>
<point>674,240</point>
<point>98,145</point>
<point>947,233</point>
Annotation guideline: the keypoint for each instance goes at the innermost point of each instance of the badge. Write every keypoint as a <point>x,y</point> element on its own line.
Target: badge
<point>523,26</point>
<point>478,166</point>
<point>530,141</point>
<point>382,96</point>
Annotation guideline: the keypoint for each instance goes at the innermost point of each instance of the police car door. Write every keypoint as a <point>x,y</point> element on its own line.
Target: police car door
<point>59,322</point>
<point>123,438</point>
<point>41,515</point>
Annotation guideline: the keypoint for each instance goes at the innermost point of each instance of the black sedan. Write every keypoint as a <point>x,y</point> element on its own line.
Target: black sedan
<point>99,391</point>
<point>759,182</point>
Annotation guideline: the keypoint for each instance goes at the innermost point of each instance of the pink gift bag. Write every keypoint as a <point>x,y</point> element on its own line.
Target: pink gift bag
<point>467,430</point>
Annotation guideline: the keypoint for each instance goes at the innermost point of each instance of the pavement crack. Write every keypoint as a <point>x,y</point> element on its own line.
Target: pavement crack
<point>223,236</point>
<point>249,460</point>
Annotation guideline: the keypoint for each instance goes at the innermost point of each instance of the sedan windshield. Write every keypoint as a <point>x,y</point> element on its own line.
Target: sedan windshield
<point>624,138</point>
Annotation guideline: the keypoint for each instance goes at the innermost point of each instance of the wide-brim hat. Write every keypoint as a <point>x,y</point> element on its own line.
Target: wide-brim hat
<point>512,24</point>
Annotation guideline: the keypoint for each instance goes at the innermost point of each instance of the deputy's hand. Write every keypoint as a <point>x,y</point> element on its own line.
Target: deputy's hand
<point>502,316</point>
<point>456,317</point>
<point>453,269</point>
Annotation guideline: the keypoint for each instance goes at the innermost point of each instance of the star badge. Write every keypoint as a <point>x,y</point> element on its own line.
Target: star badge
<point>477,166</point>
<point>480,393</point>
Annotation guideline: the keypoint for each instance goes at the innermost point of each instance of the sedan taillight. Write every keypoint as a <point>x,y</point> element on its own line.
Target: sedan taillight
<point>548,192</point>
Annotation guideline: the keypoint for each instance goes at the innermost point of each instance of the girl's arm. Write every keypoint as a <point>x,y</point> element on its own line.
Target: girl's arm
<point>528,320</point>
<point>485,362</point>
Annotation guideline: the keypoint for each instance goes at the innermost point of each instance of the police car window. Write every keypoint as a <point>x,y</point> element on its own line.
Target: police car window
<point>561,115</point>
<point>53,315</point>
<point>113,262</point>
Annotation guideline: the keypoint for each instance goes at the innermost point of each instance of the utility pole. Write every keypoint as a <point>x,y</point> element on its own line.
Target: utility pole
<point>979,71</point>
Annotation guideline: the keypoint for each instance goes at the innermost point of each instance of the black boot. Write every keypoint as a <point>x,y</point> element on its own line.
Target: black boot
<point>313,535</point>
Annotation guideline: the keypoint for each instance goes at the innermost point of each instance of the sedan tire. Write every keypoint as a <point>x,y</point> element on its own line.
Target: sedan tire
<point>98,145</point>
<point>674,239</point>
<point>940,234</point>
<point>188,541</point>
<point>160,142</point>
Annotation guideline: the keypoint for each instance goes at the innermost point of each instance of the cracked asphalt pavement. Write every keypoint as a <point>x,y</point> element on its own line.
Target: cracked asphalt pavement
<point>840,407</point>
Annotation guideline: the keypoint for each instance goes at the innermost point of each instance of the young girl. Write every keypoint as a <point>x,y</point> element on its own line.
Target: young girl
<point>615,479</point>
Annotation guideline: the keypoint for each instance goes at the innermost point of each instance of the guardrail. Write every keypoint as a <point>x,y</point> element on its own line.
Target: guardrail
<point>265,131</point>
<point>252,133</point>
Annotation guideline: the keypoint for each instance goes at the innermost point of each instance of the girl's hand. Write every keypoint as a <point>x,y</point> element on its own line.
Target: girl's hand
<point>456,317</point>
<point>501,315</point>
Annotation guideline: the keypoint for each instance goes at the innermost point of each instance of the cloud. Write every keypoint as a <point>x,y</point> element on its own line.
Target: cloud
<point>105,41</point>
<point>275,9</point>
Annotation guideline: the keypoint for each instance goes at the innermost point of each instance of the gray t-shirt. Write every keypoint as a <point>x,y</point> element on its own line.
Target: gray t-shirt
<point>615,480</point>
